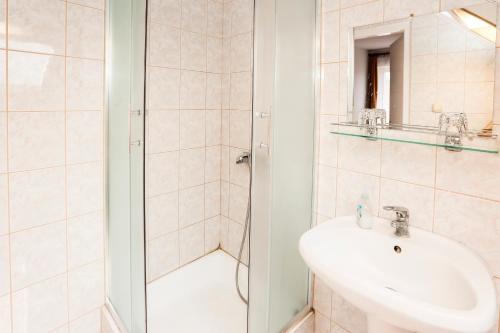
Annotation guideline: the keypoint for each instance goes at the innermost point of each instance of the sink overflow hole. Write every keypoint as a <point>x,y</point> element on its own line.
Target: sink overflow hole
<point>397,249</point>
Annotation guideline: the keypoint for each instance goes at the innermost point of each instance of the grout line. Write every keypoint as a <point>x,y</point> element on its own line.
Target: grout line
<point>66,158</point>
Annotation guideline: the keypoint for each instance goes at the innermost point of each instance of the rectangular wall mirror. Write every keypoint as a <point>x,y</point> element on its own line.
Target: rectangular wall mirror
<point>416,70</point>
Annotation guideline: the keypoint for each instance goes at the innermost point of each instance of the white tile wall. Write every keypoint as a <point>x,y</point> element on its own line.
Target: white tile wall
<point>457,193</point>
<point>51,165</point>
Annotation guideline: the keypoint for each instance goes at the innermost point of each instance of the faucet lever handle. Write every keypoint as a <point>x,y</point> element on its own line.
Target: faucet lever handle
<point>401,212</point>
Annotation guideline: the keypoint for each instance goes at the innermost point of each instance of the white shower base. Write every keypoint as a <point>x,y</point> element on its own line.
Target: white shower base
<point>199,297</point>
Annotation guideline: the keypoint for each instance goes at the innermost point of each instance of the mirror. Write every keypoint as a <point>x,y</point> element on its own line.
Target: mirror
<point>419,70</point>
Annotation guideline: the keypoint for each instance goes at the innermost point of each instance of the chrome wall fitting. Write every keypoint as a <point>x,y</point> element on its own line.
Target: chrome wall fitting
<point>453,126</point>
<point>371,120</point>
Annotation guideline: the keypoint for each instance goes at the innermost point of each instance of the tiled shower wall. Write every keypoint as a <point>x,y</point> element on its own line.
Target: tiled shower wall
<point>199,83</point>
<point>452,194</point>
<point>51,165</point>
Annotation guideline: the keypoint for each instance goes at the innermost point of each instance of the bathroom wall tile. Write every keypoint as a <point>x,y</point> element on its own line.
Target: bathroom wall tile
<point>5,323</point>
<point>86,289</point>
<point>238,202</point>
<point>469,173</point>
<point>348,316</point>
<point>89,323</point>
<point>165,12</point>
<point>38,254</point>
<point>36,82</point>
<point>480,66</point>
<point>191,205</point>
<point>214,91</point>
<point>85,29</point>
<point>224,233</point>
<point>239,129</point>
<point>163,131</point>
<point>479,97</point>
<point>85,239</point>
<point>327,141</point>
<point>194,15</point>
<point>163,214</point>
<point>424,41</point>
<point>330,89</point>
<point>85,188</point>
<point>90,3</point>
<point>337,329</point>
<point>242,16</point>
<point>36,197</point>
<point>164,88</point>
<point>163,255</point>
<point>451,96</point>
<point>234,236</point>
<point>359,155</point>
<point>226,91</point>
<point>215,17</point>
<point>227,18</point>
<point>212,163</point>
<point>423,97</point>
<point>321,323</point>
<point>212,234</point>
<point>326,190</point>
<point>191,242</point>
<point>42,26</point>
<point>322,298</point>
<point>214,55</point>
<point>84,136</point>
<point>36,140</point>
<point>239,173</point>
<point>418,199</point>
<point>241,91</point>
<point>224,198</point>
<point>85,84</point>
<point>193,90</point>
<point>4,204</point>
<point>192,167</point>
<point>329,5</point>
<point>163,173</point>
<point>415,165</point>
<point>213,127</point>
<point>212,199</point>
<point>4,265</point>
<point>41,307</point>
<point>61,329</point>
<point>3,142</point>
<point>451,38</point>
<point>192,129</point>
<point>241,52</point>
<point>452,219</point>
<point>396,9</point>
<point>451,67</point>
<point>164,45</point>
<point>424,69</point>
<point>330,36</point>
<point>225,127</point>
<point>352,186</point>
<point>193,51</point>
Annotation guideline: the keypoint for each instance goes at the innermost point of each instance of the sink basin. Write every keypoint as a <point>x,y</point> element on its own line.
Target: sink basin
<point>425,283</point>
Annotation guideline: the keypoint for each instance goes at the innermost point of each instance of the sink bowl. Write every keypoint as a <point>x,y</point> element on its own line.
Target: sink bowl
<point>425,283</point>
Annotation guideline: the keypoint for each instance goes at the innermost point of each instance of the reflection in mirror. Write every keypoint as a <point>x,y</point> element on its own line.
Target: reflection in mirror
<point>418,69</point>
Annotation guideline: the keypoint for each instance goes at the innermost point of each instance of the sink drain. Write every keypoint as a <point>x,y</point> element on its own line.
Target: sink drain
<point>397,249</point>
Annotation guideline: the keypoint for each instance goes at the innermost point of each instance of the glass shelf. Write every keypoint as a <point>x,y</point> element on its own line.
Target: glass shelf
<point>427,136</point>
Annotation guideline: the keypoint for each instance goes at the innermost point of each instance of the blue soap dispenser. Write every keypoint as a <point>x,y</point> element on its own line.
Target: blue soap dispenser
<point>364,218</point>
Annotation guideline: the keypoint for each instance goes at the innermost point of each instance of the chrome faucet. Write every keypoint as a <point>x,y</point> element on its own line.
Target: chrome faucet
<point>402,221</point>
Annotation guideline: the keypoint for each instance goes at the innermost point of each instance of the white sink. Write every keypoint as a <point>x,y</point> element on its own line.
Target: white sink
<point>433,285</point>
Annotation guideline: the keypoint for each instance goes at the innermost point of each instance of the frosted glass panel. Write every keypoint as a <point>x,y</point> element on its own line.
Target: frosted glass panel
<point>125,84</point>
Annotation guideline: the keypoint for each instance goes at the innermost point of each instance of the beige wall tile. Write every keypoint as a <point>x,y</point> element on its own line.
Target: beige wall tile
<point>348,316</point>
<point>90,3</point>
<point>191,205</point>
<point>241,91</point>
<point>351,186</point>
<point>239,129</point>
<point>165,12</point>
<point>85,184</point>
<point>326,190</point>
<point>194,15</point>
<point>321,323</point>
<point>85,288</point>
<point>192,167</point>
<point>163,255</point>
<point>163,214</point>
<point>395,9</point>
<point>239,173</point>
<point>163,88</point>
<point>212,163</point>
<point>3,142</point>
<point>85,84</point>
<point>215,17</point>
<point>241,52</point>
<point>5,323</point>
<point>191,242</point>
<point>193,90</point>
<point>214,91</point>
<point>164,47</point>
<point>4,204</point>
<point>238,202</point>
<point>4,266</point>
<point>36,197</point>
<point>330,89</point>
<point>359,155</point>
<point>85,239</point>
<point>215,60</point>
<point>193,51</point>
<point>36,82</point>
<point>85,32</point>
<point>84,132</point>
<point>37,254</point>
<point>330,37</point>
<point>212,199</point>
<point>163,173</point>
<point>234,236</point>
<point>36,140</point>
<point>88,323</point>
<point>212,234</point>
<point>213,127</point>
<point>41,307</point>
<point>37,26</point>
<point>242,16</point>
<point>322,298</point>
<point>163,131</point>
<point>192,129</point>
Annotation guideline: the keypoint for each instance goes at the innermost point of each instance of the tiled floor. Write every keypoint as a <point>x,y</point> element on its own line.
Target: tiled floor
<point>199,297</point>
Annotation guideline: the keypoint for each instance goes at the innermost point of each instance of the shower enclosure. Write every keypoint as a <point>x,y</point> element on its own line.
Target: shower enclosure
<point>210,163</point>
